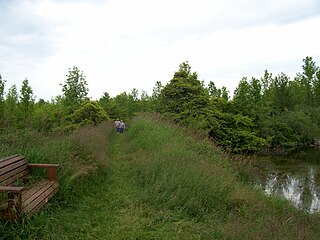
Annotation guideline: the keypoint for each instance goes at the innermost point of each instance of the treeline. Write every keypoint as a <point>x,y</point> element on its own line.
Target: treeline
<point>273,112</point>
<point>20,110</point>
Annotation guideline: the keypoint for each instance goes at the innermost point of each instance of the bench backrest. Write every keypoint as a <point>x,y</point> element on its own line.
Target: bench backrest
<point>12,169</point>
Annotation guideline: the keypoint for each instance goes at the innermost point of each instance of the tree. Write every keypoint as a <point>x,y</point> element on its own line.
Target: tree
<point>155,96</point>
<point>282,93</point>
<point>266,82</point>
<point>74,89</point>
<point>224,93</point>
<point>241,98</point>
<point>292,129</point>
<point>183,97</point>
<point>135,94</point>
<point>11,107</point>
<point>307,82</point>
<point>316,89</point>
<point>2,85</point>
<point>47,115</point>
<point>157,90</point>
<point>105,101</point>
<point>134,100</point>
<point>26,101</point>
<point>121,106</point>
<point>309,72</point>
<point>235,133</point>
<point>145,102</point>
<point>213,91</point>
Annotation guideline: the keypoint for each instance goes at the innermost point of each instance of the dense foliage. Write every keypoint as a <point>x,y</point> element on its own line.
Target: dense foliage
<point>266,113</point>
<point>89,113</point>
<point>285,112</point>
<point>273,112</point>
<point>186,100</point>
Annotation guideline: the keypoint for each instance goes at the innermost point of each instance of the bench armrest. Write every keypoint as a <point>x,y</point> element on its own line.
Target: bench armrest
<point>52,169</point>
<point>42,165</point>
<point>10,189</point>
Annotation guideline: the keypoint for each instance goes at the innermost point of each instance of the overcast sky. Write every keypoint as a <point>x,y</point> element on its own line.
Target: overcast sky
<point>125,44</point>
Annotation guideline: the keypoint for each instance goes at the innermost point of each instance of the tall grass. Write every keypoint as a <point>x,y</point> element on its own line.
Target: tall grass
<point>191,177</point>
<point>155,181</point>
<point>80,154</point>
<point>175,173</point>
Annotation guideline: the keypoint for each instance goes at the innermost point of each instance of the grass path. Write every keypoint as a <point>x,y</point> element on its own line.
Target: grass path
<point>112,207</point>
<point>107,204</point>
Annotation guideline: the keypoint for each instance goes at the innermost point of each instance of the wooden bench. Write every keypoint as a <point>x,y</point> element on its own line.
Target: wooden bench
<point>24,200</point>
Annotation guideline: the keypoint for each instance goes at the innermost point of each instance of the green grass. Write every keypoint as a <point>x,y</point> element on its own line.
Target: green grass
<point>152,182</point>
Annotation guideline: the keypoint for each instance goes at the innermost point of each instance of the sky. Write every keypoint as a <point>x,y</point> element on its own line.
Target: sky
<point>121,44</point>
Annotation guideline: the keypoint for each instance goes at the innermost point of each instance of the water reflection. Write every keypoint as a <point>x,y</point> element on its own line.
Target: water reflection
<point>315,203</point>
<point>297,183</point>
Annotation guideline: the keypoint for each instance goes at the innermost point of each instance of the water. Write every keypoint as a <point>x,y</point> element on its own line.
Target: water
<point>295,178</point>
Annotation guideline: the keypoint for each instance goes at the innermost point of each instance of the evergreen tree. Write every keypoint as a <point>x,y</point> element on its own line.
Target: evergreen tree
<point>184,96</point>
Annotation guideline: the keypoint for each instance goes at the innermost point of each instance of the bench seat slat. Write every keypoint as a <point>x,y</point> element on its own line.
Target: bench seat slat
<point>9,160</point>
<point>46,199</point>
<point>10,177</point>
<point>13,179</point>
<point>27,195</point>
<point>39,197</point>
<point>13,166</point>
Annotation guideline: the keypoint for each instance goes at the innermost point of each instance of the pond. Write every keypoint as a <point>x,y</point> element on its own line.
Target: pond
<point>295,178</point>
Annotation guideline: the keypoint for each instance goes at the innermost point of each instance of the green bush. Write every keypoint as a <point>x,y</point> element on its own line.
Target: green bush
<point>289,129</point>
<point>89,113</point>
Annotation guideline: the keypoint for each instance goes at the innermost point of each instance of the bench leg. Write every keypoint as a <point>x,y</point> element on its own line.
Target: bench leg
<point>52,173</point>
<point>14,206</point>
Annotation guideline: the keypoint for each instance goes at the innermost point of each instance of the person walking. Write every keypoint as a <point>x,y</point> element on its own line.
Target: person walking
<point>122,126</point>
<point>117,125</point>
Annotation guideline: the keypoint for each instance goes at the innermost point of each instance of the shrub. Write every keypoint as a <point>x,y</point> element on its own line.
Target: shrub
<point>89,113</point>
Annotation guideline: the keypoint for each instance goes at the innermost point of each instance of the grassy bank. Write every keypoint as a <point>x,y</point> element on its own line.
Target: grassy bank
<point>192,179</point>
<point>79,154</point>
<point>153,182</point>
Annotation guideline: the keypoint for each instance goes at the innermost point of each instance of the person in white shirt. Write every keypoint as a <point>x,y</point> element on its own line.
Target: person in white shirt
<point>122,126</point>
<point>117,125</point>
